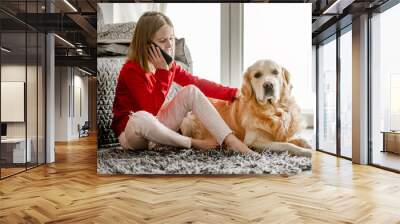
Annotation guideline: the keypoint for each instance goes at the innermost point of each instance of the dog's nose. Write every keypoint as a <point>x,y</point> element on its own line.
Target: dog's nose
<point>268,86</point>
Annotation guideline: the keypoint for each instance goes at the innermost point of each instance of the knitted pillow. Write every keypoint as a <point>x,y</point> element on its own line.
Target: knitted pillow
<point>115,33</point>
<point>107,73</point>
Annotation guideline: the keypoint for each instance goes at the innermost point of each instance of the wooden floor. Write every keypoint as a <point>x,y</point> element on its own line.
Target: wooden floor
<point>70,191</point>
<point>10,171</point>
<point>387,159</point>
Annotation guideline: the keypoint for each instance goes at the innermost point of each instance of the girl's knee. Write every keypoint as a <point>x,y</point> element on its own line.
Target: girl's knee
<point>142,115</point>
<point>191,89</point>
<point>142,120</point>
<point>192,93</point>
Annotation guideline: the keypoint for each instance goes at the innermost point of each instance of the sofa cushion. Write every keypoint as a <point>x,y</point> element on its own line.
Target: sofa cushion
<point>115,33</point>
<point>114,49</point>
<point>182,53</point>
<point>107,73</point>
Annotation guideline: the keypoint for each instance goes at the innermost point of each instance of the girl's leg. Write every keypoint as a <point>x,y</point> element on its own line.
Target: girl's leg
<point>132,141</point>
<point>143,126</point>
<point>190,98</point>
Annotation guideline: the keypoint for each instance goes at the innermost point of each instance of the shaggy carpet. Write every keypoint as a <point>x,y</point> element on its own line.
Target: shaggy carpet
<point>171,160</point>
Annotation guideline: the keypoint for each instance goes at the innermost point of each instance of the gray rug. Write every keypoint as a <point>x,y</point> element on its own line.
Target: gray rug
<point>170,160</point>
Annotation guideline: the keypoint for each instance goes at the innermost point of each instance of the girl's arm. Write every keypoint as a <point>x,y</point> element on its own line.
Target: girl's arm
<point>209,88</point>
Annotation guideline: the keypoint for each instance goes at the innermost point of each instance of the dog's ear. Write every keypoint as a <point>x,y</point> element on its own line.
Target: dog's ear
<point>247,90</point>
<point>287,78</point>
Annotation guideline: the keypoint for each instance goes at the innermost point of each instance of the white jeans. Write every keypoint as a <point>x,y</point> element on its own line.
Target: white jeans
<point>143,126</point>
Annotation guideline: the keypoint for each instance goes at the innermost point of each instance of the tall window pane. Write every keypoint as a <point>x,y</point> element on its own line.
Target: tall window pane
<point>14,151</point>
<point>276,41</point>
<point>386,88</point>
<point>287,42</point>
<point>327,96</point>
<point>41,98</point>
<point>346,94</point>
<point>200,25</point>
<point>31,98</point>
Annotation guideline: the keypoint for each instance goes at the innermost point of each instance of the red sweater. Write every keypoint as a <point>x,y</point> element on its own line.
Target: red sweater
<point>139,90</point>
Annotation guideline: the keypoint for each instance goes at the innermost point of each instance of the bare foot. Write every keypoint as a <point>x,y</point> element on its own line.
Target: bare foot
<point>236,145</point>
<point>205,144</point>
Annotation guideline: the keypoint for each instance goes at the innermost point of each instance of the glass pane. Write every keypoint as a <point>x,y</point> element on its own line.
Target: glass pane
<point>273,42</point>
<point>13,85</point>
<point>386,89</point>
<point>327,96</point>
<point>31,98</point>
<point>204,43</point>
<point>346,94</point>
<point>77,100</point>
<point>41,99</point>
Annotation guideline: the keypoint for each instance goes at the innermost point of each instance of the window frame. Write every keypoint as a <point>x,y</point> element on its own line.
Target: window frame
<point>334,37</point>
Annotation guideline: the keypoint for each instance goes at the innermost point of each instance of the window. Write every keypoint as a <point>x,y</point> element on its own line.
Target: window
<point>282,33</point>
<point>346,94</point>
<point>385,86</point>
<point>22,75</point>
<point>394,101</point>
<point>327,96</point>
<point>200,25</point>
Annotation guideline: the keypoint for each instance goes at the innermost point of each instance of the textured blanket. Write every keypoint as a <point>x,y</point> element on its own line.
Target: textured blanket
<point>170,160</point>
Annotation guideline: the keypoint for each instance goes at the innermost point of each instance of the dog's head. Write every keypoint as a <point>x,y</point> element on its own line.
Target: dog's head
<point>266,82</point>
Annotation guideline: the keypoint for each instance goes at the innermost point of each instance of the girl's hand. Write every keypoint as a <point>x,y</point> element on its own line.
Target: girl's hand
<point>156,58</point>
<point>238,94</point>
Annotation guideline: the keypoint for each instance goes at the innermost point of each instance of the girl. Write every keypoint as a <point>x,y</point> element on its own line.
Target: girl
<point>142,87</point>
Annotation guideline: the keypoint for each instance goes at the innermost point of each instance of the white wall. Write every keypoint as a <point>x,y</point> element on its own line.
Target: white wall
<point>61,103</point>
<point>67,81</point>
<point>33,127</point>
<point>17,73</point>
<point>80,118</point>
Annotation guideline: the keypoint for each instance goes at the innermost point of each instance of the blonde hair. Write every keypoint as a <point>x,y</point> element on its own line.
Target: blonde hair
<point>148,24</point>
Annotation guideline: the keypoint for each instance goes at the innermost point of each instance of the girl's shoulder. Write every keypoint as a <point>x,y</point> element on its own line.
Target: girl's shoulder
<point>129,64</point>
<point>131,68</point>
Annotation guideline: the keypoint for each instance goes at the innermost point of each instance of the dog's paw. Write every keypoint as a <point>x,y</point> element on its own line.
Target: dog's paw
<point>301,143</point>
<point>304,153</point>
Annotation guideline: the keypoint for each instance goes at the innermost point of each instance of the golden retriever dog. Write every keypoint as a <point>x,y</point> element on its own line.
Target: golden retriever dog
<point>265,116</point>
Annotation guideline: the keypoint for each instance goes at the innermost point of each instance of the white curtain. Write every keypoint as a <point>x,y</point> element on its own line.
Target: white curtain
<point>130,12</point>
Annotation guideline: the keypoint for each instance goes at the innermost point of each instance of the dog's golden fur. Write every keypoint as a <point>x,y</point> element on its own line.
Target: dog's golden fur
<point>258,118</point>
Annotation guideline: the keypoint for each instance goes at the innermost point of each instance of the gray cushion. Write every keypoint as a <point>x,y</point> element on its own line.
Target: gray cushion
<point>107,72</point>
<point>114,49</point>
<point>115,33</point>
<point>182,53</point>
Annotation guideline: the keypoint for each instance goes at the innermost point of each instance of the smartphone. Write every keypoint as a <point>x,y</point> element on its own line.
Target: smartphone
<point>166,56</point>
